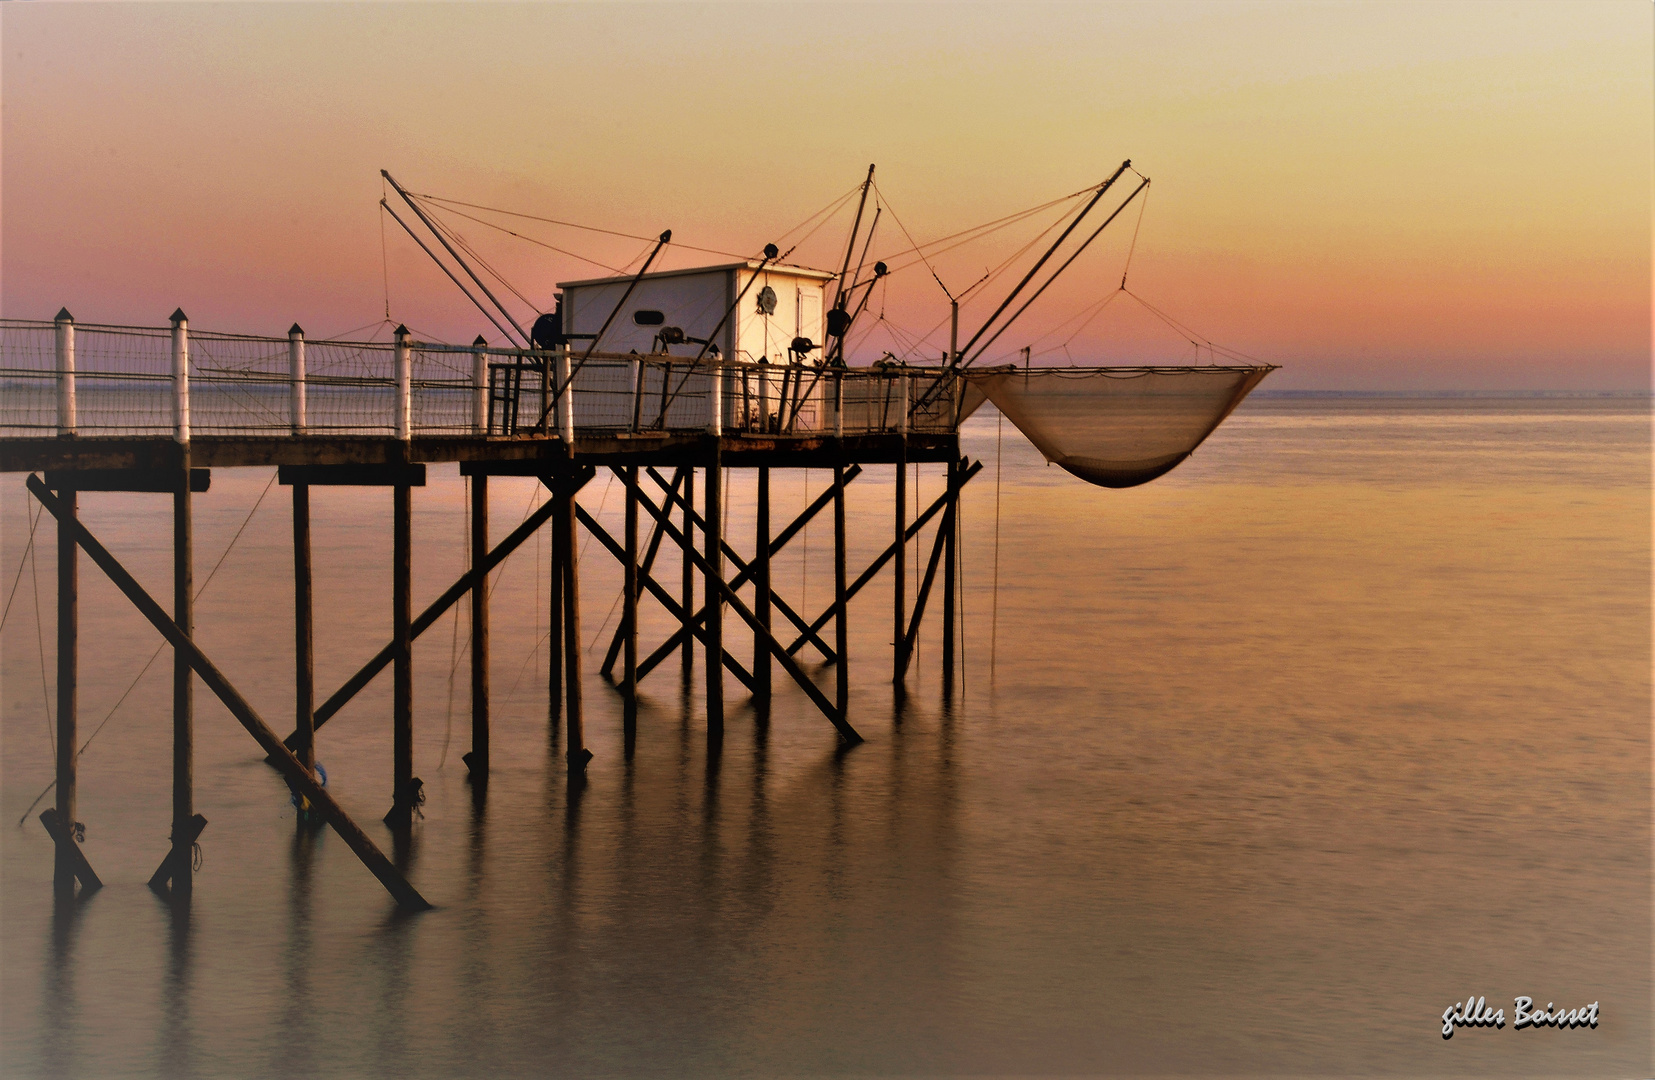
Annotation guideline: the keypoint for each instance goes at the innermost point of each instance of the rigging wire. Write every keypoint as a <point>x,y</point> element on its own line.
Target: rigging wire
<point>156,654</point>
<point>994,611</point>
<point>17,579</point>
<point>530,239</point>
<point>569,224</point>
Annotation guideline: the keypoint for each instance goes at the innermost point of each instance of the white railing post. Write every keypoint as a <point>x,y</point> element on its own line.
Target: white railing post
<point>296,376</point>
<point>715,397</point>
<point>565,399</point>
<point>405,385</point>
<point>65,372</point>
<point>180,377</point>
<point>479,387</point>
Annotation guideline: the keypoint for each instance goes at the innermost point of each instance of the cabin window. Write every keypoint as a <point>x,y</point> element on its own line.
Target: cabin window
<point>646,317</point>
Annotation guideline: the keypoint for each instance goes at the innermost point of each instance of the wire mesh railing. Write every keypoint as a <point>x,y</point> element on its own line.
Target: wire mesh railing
<point>66,378</point>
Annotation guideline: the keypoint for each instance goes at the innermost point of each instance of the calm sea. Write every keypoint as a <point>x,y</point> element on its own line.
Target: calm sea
<point>1257,769</point>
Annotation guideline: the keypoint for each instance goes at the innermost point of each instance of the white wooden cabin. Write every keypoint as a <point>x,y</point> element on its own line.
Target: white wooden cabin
<point>694,301</point>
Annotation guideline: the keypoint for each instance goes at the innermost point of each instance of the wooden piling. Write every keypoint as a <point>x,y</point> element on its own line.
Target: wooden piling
<point>714,558</point>
<point>899,599</point>
<point>65,862</point>
<point>304,655</point>
<point>687,630</point>
<point>951,531</point>
<point>841,632</point>
<point>629,612</point>
<point>402,667</point>
<point>761,590</point>
<point>554,607</point>
<point>478,760</point>
<point>183,688</point>
<point>578,755</point>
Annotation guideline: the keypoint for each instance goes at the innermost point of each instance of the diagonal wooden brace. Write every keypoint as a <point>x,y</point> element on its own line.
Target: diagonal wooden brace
<point>745,573</point>
<point>645,567</point>
<point>790,665</point>
<point>648,581</point>
<point>911,635</point>
<point>63,835</point>
<point>298,777</point>
<point>887,555</point>
<point>821,502</point>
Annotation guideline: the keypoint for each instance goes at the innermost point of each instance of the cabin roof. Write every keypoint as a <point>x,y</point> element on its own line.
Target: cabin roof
<point>751,264</point>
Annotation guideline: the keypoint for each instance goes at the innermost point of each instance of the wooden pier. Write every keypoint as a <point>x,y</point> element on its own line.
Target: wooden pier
<point>89,409</point>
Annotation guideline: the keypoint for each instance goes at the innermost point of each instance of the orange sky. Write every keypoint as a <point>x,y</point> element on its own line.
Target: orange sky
<point>1385,196</point>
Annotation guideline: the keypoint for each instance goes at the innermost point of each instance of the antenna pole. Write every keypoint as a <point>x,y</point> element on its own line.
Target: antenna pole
<point>850,245</point>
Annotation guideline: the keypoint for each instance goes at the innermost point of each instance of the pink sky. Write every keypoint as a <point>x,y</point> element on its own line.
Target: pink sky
<point>1390,196</point>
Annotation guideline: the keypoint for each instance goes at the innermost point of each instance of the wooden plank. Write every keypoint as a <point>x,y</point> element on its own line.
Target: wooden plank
<point>391,474</point>
<point>159,480</point>
<point>297,777</point>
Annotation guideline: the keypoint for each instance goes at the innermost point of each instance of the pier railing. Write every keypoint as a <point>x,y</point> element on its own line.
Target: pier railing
<point>66,378</point>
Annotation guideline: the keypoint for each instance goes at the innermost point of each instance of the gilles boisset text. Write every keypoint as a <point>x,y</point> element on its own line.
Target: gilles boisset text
<point>1474,1012</point>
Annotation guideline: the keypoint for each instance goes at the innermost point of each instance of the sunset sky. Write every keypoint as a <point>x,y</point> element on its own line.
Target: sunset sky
<point>1377,196</point>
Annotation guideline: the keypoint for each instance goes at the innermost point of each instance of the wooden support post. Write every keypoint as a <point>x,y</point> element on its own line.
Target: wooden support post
<point>477,761</point>
<point>761,587</point>
<point>951,530</point>
<point>629,612</point>
<point>899,588</point>
<point>554,606</point>
<point>714,556</point>
<point>221,687</point>
<point>69,859</point>
<point>841,631</point>
<point>183,689</point>
<point>577,752</point>
<point>404,790</point>
<point>304,654</point>
<point>686,632</point>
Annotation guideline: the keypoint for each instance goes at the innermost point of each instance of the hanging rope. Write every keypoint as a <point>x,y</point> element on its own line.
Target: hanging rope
<point>17,579</point>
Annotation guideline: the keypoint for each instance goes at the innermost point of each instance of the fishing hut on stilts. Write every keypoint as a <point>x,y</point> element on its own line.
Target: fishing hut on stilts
<point>674,377</point>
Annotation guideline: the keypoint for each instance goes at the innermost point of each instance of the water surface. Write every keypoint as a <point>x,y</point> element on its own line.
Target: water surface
<point>1256,769</point>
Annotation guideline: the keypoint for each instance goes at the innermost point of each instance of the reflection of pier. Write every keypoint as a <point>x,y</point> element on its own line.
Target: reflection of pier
<point>99,408</point>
